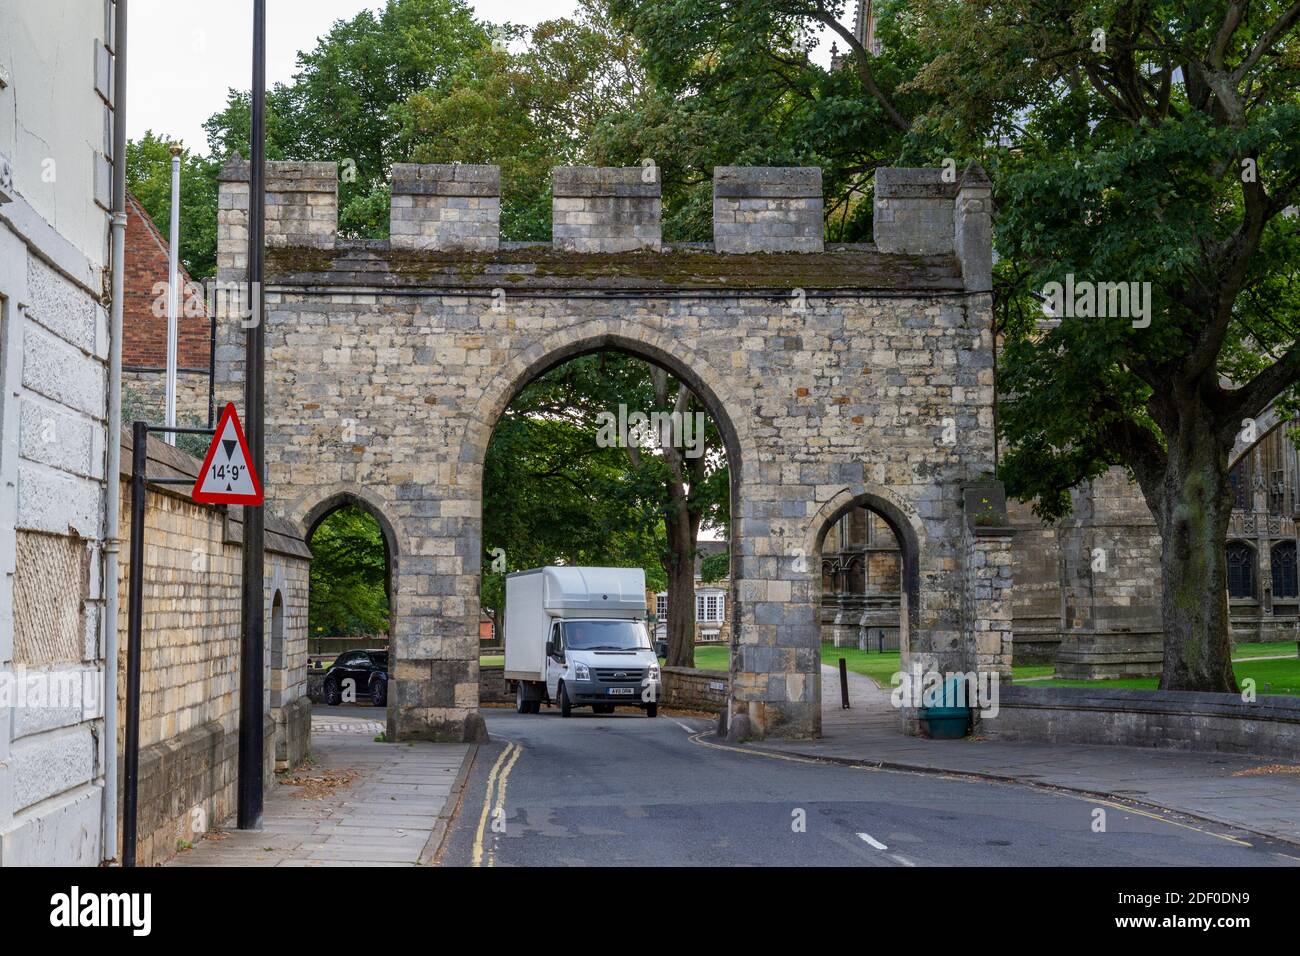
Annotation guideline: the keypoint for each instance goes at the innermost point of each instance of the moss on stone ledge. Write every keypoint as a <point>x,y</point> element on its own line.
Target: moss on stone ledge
<point>543,267</point>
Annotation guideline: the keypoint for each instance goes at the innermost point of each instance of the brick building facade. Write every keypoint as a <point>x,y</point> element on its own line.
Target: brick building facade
<point>144,326</point>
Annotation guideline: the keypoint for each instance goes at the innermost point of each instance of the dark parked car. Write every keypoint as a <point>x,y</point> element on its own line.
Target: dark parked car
<point>368,671</point>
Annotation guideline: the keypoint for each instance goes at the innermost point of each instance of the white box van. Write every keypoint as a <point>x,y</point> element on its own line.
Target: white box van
<point>577,637</point>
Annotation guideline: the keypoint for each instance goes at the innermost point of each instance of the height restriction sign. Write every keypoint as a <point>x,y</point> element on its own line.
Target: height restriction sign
<point>228,476</point>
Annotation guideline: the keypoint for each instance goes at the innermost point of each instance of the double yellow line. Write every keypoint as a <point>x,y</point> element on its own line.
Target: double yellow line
<point>497,780</point>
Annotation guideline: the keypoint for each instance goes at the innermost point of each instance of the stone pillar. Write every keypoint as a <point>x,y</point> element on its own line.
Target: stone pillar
<point>606,208</point>
<point>767,209</point>
<point>973,229</point>
<point>442,206</point>
<point>987,610</point>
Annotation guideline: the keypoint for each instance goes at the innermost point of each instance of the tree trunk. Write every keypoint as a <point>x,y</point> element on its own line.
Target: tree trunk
<point>681,590</point>
<point>1196,506</point>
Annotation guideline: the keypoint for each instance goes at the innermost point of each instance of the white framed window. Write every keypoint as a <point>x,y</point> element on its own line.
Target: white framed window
<point>661,606</point>
<point>710,607</point>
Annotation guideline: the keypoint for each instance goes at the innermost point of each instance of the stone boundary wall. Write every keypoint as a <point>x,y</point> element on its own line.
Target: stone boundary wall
<point>492,686</point>
<point>184,780</point>
<point>1208,723</point>
<point>189,681</point>
<point>690,688</point>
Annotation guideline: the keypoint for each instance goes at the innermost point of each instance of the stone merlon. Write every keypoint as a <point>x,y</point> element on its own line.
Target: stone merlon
<point>446,206</point>
<point>606,209</point>
<point>767,209</point>
<point>935,211</point>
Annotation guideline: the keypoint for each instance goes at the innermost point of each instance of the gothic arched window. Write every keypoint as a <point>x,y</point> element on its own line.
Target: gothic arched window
<point>1284,570</point>
<point>1241,570</point>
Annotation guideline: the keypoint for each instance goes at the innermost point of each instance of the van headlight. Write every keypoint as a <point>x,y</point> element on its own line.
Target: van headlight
<point>581,671</point>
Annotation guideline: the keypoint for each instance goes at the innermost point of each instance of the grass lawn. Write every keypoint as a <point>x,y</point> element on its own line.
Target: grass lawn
<point>1271,677</point>
<point>880,667</point>
<point>1274,649</point>
<point>492,660</point>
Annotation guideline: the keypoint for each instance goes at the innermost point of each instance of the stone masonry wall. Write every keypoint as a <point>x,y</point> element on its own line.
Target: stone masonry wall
<point>147,388</point>
<point>189,699</point>
<point>388,369</point>
<point>53,388</point>
<point>688,688</point>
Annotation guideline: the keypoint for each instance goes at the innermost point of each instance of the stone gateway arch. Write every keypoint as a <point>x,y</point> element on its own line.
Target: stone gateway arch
<point>839,375</point>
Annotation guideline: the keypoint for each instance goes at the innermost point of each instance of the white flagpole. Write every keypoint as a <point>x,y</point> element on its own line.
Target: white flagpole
<point>173,293</point>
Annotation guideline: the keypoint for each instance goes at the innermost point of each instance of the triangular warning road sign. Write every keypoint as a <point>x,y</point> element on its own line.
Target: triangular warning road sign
<point>228,476</point>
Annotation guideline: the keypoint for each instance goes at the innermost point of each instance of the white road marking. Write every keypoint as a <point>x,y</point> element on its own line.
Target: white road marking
<point>898,857</point>
<point>868,838</point>
<point>689,730</point>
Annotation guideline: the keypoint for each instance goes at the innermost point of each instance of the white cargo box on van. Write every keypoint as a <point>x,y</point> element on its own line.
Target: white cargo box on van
<point>535,598</point>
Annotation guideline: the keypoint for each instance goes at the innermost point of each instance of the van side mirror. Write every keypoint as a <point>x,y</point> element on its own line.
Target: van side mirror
<point>550,648</point>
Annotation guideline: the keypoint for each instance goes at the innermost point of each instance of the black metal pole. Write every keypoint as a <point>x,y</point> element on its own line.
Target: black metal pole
<point>135,619</point>
<point>251,612</point>
<point>844,684</point>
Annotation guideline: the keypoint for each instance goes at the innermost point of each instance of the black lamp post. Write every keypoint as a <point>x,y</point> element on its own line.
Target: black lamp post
<point>252,618</point>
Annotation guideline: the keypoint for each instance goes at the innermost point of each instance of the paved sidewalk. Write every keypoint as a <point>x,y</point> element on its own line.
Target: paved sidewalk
<point>360,803</point>
<point>1219,787</point>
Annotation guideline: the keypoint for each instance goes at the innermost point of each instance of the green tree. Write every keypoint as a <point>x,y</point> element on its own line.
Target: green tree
<point>1138,143</point>
<point>529,111</point>
<point>734,84</point>
<point>149,177</point>
<point>349,575</point>
<point>341,105</point>
<point>715,567</point>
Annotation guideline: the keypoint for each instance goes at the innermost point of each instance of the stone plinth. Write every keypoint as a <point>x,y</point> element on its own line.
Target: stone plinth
<point>1105,655</point>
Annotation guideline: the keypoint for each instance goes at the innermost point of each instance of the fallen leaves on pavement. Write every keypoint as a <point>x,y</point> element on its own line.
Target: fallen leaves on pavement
<point>318,786</point>
<point>1268,769</point>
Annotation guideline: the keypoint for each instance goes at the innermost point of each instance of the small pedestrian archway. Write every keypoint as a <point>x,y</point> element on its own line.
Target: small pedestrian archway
<point>836,542</point>
<point>343,591</point>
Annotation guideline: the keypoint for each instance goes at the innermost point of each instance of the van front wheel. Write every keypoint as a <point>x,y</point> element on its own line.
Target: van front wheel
<point>566,707</point>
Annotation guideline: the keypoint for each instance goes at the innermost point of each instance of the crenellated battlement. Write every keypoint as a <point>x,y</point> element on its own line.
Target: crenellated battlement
<point>615,210</point>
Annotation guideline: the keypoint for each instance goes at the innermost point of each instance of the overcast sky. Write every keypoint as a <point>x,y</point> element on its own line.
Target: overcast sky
<point>185,54</point>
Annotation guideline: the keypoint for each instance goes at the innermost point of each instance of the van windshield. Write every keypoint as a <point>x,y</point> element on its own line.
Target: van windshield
<point>605,636</point>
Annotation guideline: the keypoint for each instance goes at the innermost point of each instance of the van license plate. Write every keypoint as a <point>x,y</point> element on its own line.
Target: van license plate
<point>622,690</point>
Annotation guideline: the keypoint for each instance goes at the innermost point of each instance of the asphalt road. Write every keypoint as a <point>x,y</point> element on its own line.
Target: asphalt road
<point>625,790</point>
